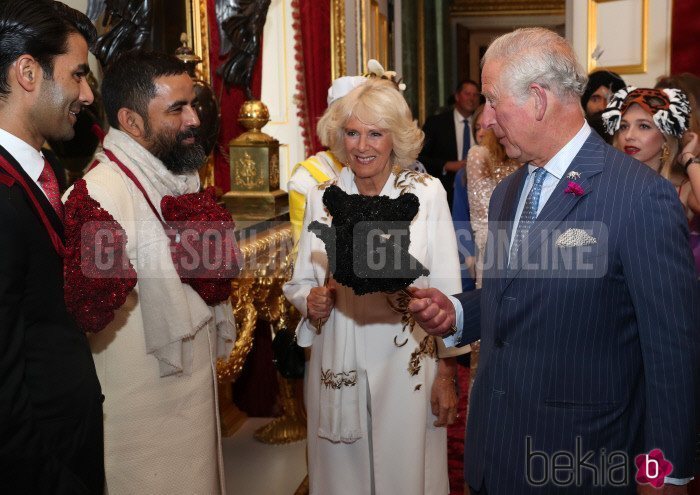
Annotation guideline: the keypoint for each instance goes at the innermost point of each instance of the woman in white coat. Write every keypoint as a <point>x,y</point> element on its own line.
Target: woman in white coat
<point>378,397</point>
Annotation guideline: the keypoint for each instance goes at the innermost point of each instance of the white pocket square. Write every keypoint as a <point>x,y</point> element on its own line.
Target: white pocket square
<point>576,237</point>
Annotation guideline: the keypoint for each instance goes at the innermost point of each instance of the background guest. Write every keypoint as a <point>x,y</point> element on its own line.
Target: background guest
<point>487,165</point>
<point>448,137</point>
<point>601,85</point>
<point>649,124</point>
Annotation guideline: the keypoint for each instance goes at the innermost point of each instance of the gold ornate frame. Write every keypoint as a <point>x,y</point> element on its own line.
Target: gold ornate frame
<point>198,31</point>
<point>420,38</point>
<point>338,63</point>
<point>507,7</point>
<point>639,68</point>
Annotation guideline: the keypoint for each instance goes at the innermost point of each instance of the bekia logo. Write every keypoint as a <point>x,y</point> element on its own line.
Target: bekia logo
<point>652,468</point>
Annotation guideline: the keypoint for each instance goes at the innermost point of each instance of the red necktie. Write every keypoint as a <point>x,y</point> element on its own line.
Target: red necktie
<point>48,182</point>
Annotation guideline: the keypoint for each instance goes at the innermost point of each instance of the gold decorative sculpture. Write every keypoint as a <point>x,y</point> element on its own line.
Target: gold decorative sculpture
<point>291,426</point>
<point>254,163</point>
<point>255,294</point>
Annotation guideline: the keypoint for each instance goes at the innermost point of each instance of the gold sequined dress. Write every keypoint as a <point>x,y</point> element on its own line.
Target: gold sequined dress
<point>483,175</point>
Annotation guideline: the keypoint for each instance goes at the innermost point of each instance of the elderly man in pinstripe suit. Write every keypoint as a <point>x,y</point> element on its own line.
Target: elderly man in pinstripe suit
<point>589,312</point>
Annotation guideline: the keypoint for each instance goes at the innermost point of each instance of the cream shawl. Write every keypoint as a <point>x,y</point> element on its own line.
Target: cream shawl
<point>172,311</point>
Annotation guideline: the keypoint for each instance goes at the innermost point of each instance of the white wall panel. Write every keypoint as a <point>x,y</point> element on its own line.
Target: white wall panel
<point>278,86</point>
<point>619,35</point>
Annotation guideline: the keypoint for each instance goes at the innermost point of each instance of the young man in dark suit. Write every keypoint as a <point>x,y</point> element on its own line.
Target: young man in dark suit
<point>50,399</point>
<point>588,315</point>
<point>445,149</point>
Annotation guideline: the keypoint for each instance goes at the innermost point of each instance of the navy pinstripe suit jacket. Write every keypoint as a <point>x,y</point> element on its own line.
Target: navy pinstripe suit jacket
<point>590,348</point>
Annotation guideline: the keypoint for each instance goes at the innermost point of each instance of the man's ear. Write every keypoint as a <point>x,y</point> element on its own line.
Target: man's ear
<point>27,71</point>
<point>131,122</point>
<point>539,95</point>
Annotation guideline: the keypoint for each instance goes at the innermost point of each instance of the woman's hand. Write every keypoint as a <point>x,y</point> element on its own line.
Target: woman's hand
<point>319,302</point>
<point>443,395</point>
<point>691,148</point>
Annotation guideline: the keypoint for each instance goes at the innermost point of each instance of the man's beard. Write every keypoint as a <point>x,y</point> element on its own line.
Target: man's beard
<point>179,158</point>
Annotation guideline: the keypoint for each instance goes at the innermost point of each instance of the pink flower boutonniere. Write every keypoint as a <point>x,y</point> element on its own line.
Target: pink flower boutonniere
<point>573,188</point>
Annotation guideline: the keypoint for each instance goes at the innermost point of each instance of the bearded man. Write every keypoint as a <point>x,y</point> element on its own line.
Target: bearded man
<point>157,355</point>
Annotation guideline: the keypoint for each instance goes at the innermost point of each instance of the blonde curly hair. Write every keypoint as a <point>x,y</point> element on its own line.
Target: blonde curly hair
<point>376,102</point>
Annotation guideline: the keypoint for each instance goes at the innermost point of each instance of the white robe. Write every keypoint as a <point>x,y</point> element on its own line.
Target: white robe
<point>162,433</point>
<point>400,451</point>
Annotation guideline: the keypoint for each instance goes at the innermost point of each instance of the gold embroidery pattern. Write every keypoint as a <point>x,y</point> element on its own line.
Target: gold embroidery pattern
<point>338,380</point>
<point>274,172</point>
<point>401,306</point>
<point>406,180</point>
<point>246,173</point>
<point>325,185</point>
<point>426,348</point>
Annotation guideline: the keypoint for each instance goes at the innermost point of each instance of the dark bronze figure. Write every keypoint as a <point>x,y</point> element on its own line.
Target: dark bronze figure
<point>95,8</point>
<point>131,28</point>
<point>206,105</point>
<point>243,30</point>
<point>224,9</point>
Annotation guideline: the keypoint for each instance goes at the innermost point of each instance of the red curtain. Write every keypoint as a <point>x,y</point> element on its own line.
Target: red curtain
<point>312,38</point>
<point>685,56</point>
<point>230,101</point>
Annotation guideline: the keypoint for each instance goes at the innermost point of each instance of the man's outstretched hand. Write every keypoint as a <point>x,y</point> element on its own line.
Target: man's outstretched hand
<point>432,310</point>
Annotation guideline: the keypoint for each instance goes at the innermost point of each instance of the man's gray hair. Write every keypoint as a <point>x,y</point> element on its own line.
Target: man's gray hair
<point>537,55</point>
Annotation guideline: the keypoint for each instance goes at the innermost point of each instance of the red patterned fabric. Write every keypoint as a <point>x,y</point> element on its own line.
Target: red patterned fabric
<point>98,273</point>
<point>230,102</point>
<point>312,42</point>
<point>205,256</point>
<point>684,34</point>
<point>49,183</point>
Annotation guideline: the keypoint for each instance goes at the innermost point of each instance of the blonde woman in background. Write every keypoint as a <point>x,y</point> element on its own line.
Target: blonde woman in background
<point>650,125</point>
<point>487,165</point>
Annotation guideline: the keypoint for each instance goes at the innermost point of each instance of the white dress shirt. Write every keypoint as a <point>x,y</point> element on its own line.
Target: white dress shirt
<point>29,158</point>
<point>555,167</point>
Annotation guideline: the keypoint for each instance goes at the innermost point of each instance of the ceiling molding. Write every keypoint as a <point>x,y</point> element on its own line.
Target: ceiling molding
<point>507,7</point>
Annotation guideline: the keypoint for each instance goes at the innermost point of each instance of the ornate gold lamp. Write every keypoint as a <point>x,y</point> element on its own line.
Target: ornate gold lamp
<point>254,159</point>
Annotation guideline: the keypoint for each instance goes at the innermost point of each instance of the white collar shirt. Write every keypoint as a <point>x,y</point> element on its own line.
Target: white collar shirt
<point>29,158</point>
<point>555,167</point>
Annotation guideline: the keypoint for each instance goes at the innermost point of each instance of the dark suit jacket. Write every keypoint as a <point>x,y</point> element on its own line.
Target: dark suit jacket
<point>603,354</point>
<point>50,399</point>
<point>440,146</point>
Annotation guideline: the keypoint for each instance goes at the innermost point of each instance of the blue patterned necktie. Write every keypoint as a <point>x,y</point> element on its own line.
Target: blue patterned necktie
<point>466,141</point>
<point>528,215</point>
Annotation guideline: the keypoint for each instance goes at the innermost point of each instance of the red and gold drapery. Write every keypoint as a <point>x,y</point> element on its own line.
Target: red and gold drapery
<point>312,40</point>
